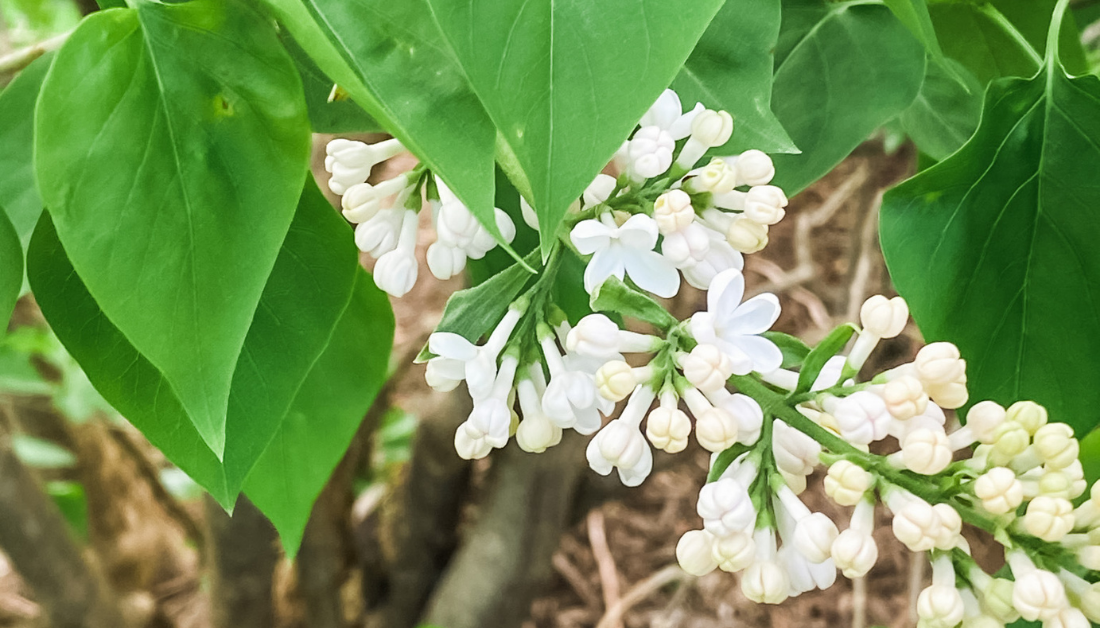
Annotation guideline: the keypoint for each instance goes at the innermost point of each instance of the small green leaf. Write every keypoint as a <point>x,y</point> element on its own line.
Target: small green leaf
<point>831,345</point>
<point>945,114</point>
<point>914,15</point>
<point>11,268</point>
<point>41,454</point>
<point>615,296</point>
<point>995,250</point>
<point>732,67</point>
<point>326,413</point>
<point>793,349</point>
<point>18,193</point>
<point>473,312</point>
<point>983,41</point>
<point>566,82</point>
<point>843,70</point>
<point>171,143</point>
<point>724,460</point>
<point>73,504</point>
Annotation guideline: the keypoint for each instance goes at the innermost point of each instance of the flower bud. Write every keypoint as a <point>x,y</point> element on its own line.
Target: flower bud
<point>916,525</point>
<point>765,582</point>
<point>726,508</point>
<point>754,168</point>
<point>996,598</point>
<point>595,335</point>
<point>694,552</point>
<point>999,490</point>
<point>764,204</point>
<point>615,380</point>
<point>747,236</point>
<point>673,211</point>
<point>712,128</point>
<point>734,552</point>
<point>687,247</point>
<point>861,417</point>
<point>950,396</point>
<point>444,374</point>
<point>717,177</point>
<point>855,553</point>
<point>940,606</point>
<point>814,536</point>
<point>1068,617</point>
<point>1010,439</point>
<point>1038,595</point>
<point>1049,518</point>
<point>621,445</point>
<point>950,529</point>
<point>716,429</point>
<point>1055,444</point>
<point>939,363</point>
<point>882,317</point>
<point>905,397</point>
<point>445,261</point>
<point>1030,415</point>
<point>360,203</point>
<point>650,152</point>
<point>1089,601</point>
<point>395,272</point>
<point>707,368</point>
<point>469,448</point>
<point>668,428</point>
<point>983,419</point>
<point>846,483</point>
<point>599,190</point>
<point>926,451</point>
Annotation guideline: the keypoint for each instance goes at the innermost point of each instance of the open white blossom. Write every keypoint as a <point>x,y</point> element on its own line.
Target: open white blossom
<point>625,250</point>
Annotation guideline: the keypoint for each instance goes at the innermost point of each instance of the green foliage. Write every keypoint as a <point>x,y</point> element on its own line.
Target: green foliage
<point>914,15</point>
<point>11,268</point>
<point>308,291</point>
<point>731,68</point>
<point>18,193</point>
<point>615,296</point>
<point>843,70</point>
<point>946,110</point>
<point>39,453</point>
<point>171,143</point>
<point>326,114</point>
<point>325,415</point>
<point>994,248</point>
<point>565,82</point>
<point>793,349</point>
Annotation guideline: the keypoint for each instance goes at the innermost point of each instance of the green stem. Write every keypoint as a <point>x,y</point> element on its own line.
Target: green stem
<point>1055,30</point>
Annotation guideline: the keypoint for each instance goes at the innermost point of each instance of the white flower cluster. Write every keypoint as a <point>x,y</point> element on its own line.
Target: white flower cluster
<point>699,223</point>
<point>386,221</point>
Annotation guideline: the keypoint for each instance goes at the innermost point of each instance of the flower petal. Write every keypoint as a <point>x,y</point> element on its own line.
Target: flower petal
<point>638,232</point>
<point>596,461</point>
<point>652,272</point>
<point>766,357</point>
<point>637,474</point>
<point>756,315</point>
<point>724,294</point>
<point>830,373</point>
<point>604,264</point>
<point>664,112</point>
<point>448,345</point>
<point>681,128</point>
<point>590,236</point>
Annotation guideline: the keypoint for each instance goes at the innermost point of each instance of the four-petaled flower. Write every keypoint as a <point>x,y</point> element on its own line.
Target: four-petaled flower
<point>625,249</point>
<point>735,327</point>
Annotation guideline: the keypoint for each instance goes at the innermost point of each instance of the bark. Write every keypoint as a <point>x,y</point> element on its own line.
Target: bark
<point>420,523</point>
<point>245,555</point>
<point>505,558</point>
<point>71,589</point>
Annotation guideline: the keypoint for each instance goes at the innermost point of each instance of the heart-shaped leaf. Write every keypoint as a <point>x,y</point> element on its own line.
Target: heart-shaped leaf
<point>171,145</point>
<point>11,268</point>
<point>17,190</point>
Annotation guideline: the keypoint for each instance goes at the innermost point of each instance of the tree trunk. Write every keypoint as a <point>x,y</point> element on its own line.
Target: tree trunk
<point>71,589</point>
<point>505,558</point>
<point>245,555</point>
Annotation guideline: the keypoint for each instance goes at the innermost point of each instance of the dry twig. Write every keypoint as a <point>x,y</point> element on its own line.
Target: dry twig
<point>576,580</point>
<point>639,592</point>
<point>605,563</point>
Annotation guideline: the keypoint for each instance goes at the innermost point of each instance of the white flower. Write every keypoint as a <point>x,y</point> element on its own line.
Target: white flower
<point>983,419</point>
<point>794,452</point>
<point>530,217</point>
<point>720,257</point>
<point>765,581</point>
<point>746,413</point>
<point>598,191</point>
<point>491,419</point>
<point>764,204</point>
<point>854,550</point>
<point>667,114</point>
<point>363,200</point>
<point>1049,518</point>
<point>395,272</point>
<point>814,532</point>
<point>846,483</point>
<point>725,507</point>
<point>882,317</point>
<point>673,211</point>
<point>926,451</point>
<point>916,523</point>
<point>620,444</point>
<point>747,236</point>
<point>734,552</point>
<point>999,490</point>
<point>694,552</point>
<point>445,261</point>
<point>625,250</point>
<point>571,399</point>
<point>1055,444</point>
<point>861,417</point>
<point>717,177</point>
<point>709,129</point>
<point>1037,593</point>
<point>735,327</point>
<point>650,152</point>
<point>939,363</point>
<point>379,235</point>
<point>667,426</point>
<point>905,397</point>
<point>715,428</point>
<point>615,380</point>
<point>753,167</point>
<point>478,364</point>
<point>350,162</point>
<point>597,336</point>
<point>688,246</point>
<point>1028,414</point>
<point>706,367</point>
<point>941,605</point>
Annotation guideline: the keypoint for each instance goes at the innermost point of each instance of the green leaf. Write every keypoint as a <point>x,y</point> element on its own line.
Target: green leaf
<point>307,293</point>
<point>914,15</point>
<point>11,269</point>
<point>73,504</point>
<point>1090,455</point>
<point>17,190</point>
<point>40,453</point>
<point>171,146</point>
<point>393,61</point>
<point>731,68</point>
<point>793,349</point>
<point>615,296</point>
<point>566,82</point>
<point>326,413</point>
<point>473,312</point>
<point>341,115</point>
<point>995,249</point>
<point>945,113</point>
<point>981,39</point>
<point>844,69</point>
<point>724,460</point>
<point>815,361</point>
